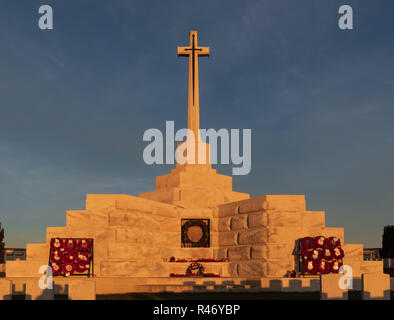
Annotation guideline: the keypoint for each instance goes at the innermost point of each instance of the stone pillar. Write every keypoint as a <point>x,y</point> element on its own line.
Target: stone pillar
<point>5,289</point>
<point>330,287</point>
<point>34,292</point>
<point>82,290</point>
<point>376,286</point>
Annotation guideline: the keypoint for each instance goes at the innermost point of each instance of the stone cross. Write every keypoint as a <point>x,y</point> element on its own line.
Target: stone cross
<point>193,51</point>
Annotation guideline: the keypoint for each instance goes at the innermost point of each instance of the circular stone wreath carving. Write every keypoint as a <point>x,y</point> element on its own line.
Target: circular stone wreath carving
<point>193,224</point>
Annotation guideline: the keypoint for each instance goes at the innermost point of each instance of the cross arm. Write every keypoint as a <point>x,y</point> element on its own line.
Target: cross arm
<point>183,52</point>
<point>203,51</point>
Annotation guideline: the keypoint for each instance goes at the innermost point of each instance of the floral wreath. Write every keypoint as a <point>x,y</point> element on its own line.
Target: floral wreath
<point>204,241</point>
<point>321,255</point>
<point>68,256</point>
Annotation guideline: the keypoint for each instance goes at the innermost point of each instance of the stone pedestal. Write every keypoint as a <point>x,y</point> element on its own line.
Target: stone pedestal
<point>330,288</point>
<point>376,286</point>
<point>5,289</point>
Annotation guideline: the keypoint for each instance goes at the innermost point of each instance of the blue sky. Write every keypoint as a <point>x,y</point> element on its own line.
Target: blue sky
<point>75,102</point>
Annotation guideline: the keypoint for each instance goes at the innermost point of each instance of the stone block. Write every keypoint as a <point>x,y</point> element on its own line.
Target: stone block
<point>200,253</point>
<point>353,257</point>
<point>229,209</point>
<point>102,202</point>
<point>82,290</point>
<point>233,196</point>
<point>187,253</point>
<point>284,234</point>
<point>214,239</point>
<point>76,218</point>
<point>60,285</point>
<point>167,224</point>
<point>279,267</point>
<point>239,253</point>
<point>220,253</point>
<point>5,289</point>
<point>353,251</point>
<point>285,219</point>
<point>214,225</point>
<point>371,267</point>
<point>117,218</point>
<point>271,251</point>
<point>53,232</point>
<point>101,236</point>
<point>196,212</point>
<point>167,211</point>
<point>273,202</point>
<point>252,269</point>
<point>146,236</point>
<point>228,238</point>
<point>84,219</point>
<point>253,236</point>
<point>37,251</point>
<point>25,268</point>
<point>120,234</point>
<point>259,252</point>
<point>34,292</point>
<point>141,220</point>
<point>133,268</point>
<point>133,252</point>
<point>258,219</point>
<point>193,196</point>
<point>313,220</point>
<point>253,205</point>
<point>136,204</point>
<point>97,218</point>
<point>229,270</point>
<point>376,286</point>
<point>330,287</point>
<point>355,264</point>
<point>224,224</point>
<point>239,222</point>
<point>334,232</point>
